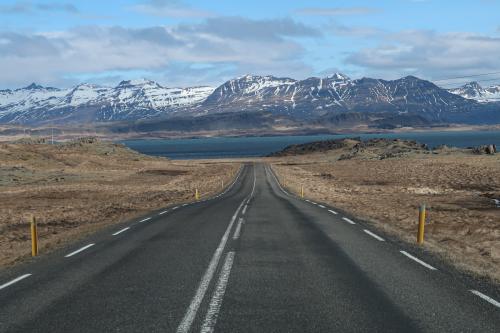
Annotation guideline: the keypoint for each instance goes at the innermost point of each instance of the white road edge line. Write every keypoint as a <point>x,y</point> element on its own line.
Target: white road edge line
<point>244,210</point>
<point>22,277</point>
<point>332,211</point>
<point>321,206</point>
<point>79,250</point>
<point>270,170</point>
<point>216,301</point>
<point>120,231</point>
<point>377,237</point>
<point>237,232</point>
<point>175,207</point>
<point>480,294</point>
<point>164,212</point>
<point>187,321</point>
<point>419,261</point>
<point>148,218</point>
<point>348,220</point>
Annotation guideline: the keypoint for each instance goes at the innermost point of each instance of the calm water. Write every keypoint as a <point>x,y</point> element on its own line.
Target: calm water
<point>261,146</point>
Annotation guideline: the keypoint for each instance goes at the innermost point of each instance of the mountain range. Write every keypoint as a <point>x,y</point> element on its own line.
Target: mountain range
<point>129,100</point>
<point>335,98</point>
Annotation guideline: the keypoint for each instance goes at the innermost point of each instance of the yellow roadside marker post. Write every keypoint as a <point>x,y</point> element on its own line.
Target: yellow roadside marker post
<point>34,237</point>
<point>421,225</point>
<point>302,191</point>
<point>197,195</point>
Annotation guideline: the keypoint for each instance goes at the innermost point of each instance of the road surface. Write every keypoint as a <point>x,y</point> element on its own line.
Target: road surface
<point>253,259</point>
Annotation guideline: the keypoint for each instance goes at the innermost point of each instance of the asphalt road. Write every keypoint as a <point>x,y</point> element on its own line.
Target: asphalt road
<point>254,259</point>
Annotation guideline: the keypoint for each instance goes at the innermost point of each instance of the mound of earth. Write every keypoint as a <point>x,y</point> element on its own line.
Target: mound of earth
<point>356,148</point>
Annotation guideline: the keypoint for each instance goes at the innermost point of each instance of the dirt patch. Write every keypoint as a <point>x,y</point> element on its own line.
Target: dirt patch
<point>76,188</point>
<point>163,172</point>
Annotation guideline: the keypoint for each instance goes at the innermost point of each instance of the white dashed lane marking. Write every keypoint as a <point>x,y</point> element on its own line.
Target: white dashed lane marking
<point>120,231</point>
<point>79,250</point>
<point>332,211</point>
<point>423,263</point>
<point>377,237</point>
<point>483,296</point>
<point>348,220</point>
<point>22,277</point>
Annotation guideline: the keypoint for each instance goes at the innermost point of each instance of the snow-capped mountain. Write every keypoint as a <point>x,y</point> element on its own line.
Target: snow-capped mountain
<point>336,93</point>
<point>475,91</point>
<point>248,86</point>
<point>129,100</point>
<point>308,99</point>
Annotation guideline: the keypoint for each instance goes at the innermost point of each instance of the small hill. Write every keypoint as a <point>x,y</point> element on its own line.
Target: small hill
<point>356,148</point>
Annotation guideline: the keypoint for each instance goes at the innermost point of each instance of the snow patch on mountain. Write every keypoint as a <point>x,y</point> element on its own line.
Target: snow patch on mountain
<point>475,91</point>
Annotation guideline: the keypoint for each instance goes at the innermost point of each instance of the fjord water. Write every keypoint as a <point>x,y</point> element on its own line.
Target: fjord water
<point>260,146</point>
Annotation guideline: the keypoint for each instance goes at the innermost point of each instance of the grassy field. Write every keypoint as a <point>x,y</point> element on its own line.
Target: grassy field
<point>78,187</point>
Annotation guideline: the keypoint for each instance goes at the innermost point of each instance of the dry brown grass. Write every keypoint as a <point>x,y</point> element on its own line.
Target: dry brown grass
<point>458,188</point>
<point>75,189</point>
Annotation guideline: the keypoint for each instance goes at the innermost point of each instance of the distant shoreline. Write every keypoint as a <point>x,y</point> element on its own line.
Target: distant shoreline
<point>66,133</point>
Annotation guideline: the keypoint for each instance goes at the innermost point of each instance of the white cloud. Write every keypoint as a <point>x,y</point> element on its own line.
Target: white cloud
<point>29,7</point>
<point>235,45</point>
<point>430,54</point>
<point>170,9</point>
<point>337,11</point>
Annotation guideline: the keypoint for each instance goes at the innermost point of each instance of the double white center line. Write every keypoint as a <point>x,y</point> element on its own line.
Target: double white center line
<point>237,232</point>
<point>188,319</point>
<point>216,301</point>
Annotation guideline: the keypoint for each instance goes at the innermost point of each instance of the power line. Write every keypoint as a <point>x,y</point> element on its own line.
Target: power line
<point>466,76</point>
<point>463,82</point>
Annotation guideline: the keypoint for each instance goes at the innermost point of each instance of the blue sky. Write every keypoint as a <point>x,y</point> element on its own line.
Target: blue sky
<point>182,42</point>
